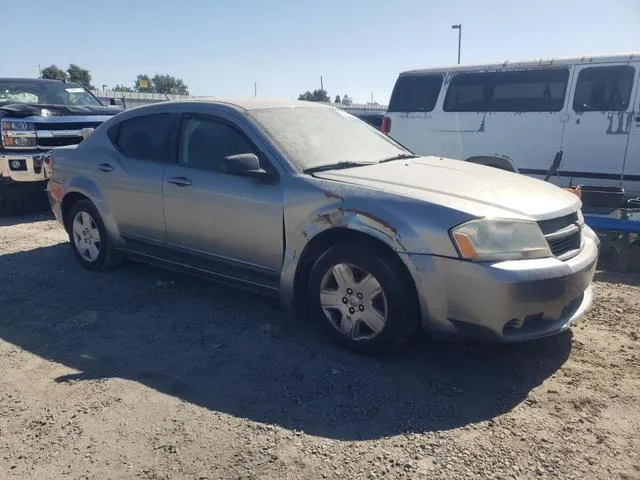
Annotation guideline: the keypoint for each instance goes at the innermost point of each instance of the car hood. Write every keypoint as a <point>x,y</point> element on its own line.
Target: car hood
<point>23,110</point>
<point>476,189</point>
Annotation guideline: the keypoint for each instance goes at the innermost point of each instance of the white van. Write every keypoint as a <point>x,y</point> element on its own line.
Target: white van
<point>518,116</point>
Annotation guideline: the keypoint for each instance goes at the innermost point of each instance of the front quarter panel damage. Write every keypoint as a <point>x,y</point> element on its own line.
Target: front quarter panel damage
<point>312,208</point>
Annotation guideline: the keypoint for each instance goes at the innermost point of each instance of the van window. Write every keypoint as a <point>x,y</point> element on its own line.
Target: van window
<point>515,91</point>
<point>415,93</point>
<point>603,89</point>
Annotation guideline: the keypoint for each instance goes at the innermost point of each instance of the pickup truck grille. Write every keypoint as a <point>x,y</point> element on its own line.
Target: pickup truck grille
<point>60,134</point>
<point>563,234</point>
<point>47,143</point>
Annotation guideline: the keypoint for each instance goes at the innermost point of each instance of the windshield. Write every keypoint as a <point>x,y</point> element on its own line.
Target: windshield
<point>313,137</point>
<point>45,93</point>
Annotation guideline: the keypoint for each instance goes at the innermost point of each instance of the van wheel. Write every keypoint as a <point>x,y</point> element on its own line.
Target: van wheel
<point>362,299</point>
<point>88,236</point>
<point>499,167</point>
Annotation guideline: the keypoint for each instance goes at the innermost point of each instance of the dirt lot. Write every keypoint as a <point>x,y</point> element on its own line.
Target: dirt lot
<point>140,373</point>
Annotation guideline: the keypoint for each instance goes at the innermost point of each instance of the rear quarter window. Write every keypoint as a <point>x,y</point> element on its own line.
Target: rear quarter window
<point>415,93</point>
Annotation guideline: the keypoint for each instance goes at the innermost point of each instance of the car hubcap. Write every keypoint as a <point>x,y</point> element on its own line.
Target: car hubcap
<point>354,302</point>
<point>86,236</point>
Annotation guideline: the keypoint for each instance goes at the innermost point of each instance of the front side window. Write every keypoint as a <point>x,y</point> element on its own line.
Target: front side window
<point>603,89</point>
<point>206,142</point>
<point>415,93</point>
<point>514,91</point>
<point>145,138</point>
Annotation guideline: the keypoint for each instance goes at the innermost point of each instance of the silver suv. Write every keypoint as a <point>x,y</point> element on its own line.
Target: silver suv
<point>309,204</point>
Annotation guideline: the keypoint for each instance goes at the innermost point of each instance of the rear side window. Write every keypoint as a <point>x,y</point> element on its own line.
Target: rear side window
<point>603,89</point>
<point>145,138</point>
<point>516,91</point>
<point>415,93</point>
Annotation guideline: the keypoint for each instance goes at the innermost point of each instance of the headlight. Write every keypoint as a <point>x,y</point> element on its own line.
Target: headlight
<point>496,240</point>
<point>17,126</point>
<point>17,134</point>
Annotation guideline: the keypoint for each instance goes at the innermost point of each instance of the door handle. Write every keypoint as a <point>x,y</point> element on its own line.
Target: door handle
<point>180,181</point>
<point>105,167</point>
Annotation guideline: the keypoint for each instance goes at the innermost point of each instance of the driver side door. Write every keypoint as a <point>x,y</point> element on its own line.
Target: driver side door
<point>232,223</point>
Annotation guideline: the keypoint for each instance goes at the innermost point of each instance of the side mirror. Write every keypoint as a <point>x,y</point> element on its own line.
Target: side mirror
<point>112,101</point>
<point>244,165</point>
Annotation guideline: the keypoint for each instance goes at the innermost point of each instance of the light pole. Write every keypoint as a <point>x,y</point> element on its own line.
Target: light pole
<point>459,28</point>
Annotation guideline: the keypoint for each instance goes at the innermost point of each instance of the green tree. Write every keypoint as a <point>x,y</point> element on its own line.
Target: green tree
<point>163,83</point>
<point>77,74</point>
<point>318,95</point>
<point>122,88</point>
<point>337,100</point>
<point>52,72</point>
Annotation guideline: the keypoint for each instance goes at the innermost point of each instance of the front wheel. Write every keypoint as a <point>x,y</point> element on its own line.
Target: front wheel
<point>88,237</point>
<point>363,298</point>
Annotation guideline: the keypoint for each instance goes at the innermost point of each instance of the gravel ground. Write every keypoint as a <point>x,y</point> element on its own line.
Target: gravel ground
<point>140,373</point>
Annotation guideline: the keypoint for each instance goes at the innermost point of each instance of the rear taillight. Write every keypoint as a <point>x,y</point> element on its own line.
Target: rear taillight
<point>386,125</point>
<point>47,164</point>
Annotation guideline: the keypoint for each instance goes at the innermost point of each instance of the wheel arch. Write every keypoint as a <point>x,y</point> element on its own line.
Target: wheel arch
<point>501,162</point>
<point>327,239</point>
<point>68,202</point>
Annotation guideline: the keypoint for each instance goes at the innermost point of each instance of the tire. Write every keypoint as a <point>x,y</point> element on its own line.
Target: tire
<point>350,311</point>
<point>88,237</point>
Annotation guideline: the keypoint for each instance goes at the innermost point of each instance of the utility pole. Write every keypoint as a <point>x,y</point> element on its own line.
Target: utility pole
<point>39,71</point>
<point>255,89</point>
<point>459,28</point>
<point>321,84</point>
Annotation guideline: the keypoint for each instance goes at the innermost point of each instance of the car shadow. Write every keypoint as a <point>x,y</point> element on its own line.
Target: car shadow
<point>605,276</point>
<point>31,217</point>
<point>234,352</point>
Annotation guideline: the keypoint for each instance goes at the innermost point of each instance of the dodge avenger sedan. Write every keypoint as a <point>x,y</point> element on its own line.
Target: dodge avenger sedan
<point>309,204</point>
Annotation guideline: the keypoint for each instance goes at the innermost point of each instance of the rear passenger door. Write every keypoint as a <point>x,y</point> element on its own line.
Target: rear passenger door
<point>130,175</point>
<point>600,118</point>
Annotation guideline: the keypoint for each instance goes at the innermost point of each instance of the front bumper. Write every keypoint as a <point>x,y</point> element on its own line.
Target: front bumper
<point>506,301</point>
<point>29,170</point>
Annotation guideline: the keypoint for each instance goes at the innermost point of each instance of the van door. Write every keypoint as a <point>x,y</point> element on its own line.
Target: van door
<point>631,179</point>
<point>597,130</point>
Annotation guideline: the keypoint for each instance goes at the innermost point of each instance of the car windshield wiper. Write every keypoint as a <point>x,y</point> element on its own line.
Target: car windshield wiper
<point>335,166</point>
<point>401,156</point>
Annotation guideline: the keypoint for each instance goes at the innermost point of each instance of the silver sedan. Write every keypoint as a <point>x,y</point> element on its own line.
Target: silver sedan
<point>309,204</point>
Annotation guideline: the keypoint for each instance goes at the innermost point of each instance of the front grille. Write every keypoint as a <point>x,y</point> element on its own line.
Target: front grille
<point>66,125</point>
<point>560,246</point>
<point>554,224</point>
<point>562,235</point>
<point>58,141</point>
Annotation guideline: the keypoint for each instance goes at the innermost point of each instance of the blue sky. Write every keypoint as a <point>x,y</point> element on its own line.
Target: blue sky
<point>220,47</point>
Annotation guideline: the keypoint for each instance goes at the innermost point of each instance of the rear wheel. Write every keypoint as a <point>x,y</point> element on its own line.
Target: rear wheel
<point>362,298</point>
<point>88,237</point>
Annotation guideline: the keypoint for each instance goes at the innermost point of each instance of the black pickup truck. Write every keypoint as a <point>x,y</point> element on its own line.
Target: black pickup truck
<point>37,115</point>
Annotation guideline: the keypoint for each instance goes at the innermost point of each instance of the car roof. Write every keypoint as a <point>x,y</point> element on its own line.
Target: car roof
<point>252,103</point>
